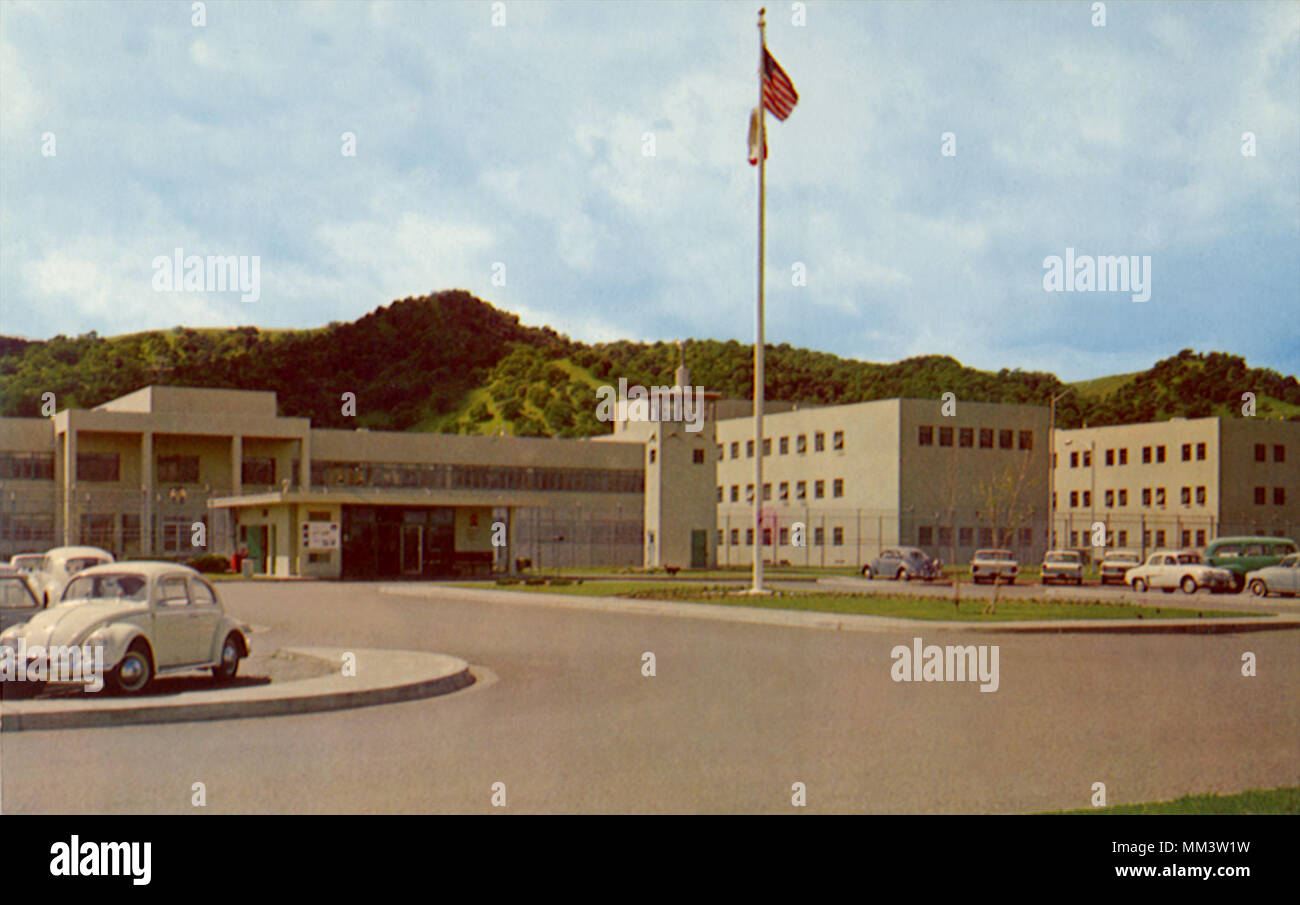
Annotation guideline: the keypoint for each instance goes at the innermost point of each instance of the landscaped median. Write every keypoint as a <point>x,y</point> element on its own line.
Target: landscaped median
<point>896,606</point>
<point>1284,800</point>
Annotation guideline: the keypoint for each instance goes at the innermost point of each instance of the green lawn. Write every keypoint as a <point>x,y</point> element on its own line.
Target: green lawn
<point>901,606</point>
<point>1285,800</point>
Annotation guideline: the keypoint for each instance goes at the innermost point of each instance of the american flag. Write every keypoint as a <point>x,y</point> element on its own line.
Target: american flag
<point>779,95</point>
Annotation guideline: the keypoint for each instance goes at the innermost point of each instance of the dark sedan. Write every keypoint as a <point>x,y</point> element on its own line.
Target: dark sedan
<point>904,564</point>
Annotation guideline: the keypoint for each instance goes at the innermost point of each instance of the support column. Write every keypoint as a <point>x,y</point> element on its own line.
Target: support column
<point>146,492</point>
<point>236,465</point>
<point>70,532</point>
<point>304,461</point>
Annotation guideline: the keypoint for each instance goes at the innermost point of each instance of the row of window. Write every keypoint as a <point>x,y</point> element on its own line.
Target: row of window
<point>817,539</point>
<point>1119,539</point>
<point>783,491</point>
<point>477,477</point>
<point>926,535</point>
<point>37,466</point>
<point>1083,498</point>
<point>783,445</point>
<point>965,436</point>
<point>1156,455</point>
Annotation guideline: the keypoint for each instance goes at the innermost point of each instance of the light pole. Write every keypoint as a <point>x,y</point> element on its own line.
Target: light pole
<point>1051,483</point>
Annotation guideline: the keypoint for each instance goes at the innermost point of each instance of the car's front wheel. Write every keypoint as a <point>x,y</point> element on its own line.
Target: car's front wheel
<point>1238,582</point>
<point>866,573</point>
<point>225,670</point>
<point>903,575</point>
<point>1188,584</point>
<point>133,672</point>
<point>1140,586</point>
<point>1258,588</point>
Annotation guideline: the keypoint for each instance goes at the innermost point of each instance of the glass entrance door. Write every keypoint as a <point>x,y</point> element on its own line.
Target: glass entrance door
<point>412,549</point>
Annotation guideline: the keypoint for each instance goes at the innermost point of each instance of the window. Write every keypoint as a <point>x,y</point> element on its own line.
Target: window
<point>1279,452</point>
<point>784,537</point>
<point>735,537</point>
<point>201,593</point>
<point>1160,496</point>
<point>1087,458</point>
<point>97,466</point>
<point>749,449</point>
<point>986,537</point>
<point>837,487</point>
<point>1160,538</point>
<point>697,456</point>
<point>1160,453</point>
<point>749,493</point>
<point>1026,440</point>
<point>945,436</point>
<point>1074,499</point>
<point>1087,498</point>
<point>1053,499</point>
<point>178,469</point>
<point>767,491</point>
<point>1200,452</point>
<point>819,536</point>
<point>966,536</point>
<point>837,440</point>
<point>1200,537</point>
<point>1146,455</point>
<point>1279,496</point>
<point>257,471</point>
<point>735,450</point>
<point>801,490</point>
<point>1074,538</point>
<point>1187,538</point>
<point>1110,498</point>
<point>721,539</point>
<point>721,450</point>
<point>1074,460</point>
<point>819,442</point>
<point>837,537</point>
<point>27,466</point>
<point>767,537</point>
<point>1187,452</point>
<point>945,535</point>
<point>720,492</point>
<point>652,455</point>
<point>1004,439</point>
<point>1261,496</point>
<point>1185,496</point>
<point>1123,455</point>
<point>784,446</point>
<point>767,446</point>
<point>1123,538</point>
<point>1053,461</point>
<point>966,437</point>
<point>1146,496</point>
<point>735,493</point>
<point>172,591</point>
<point>783,491</point>
<point>801,443</point>
<point>1261,452</point>
<point>1200,496</point>
<point>1110,457</point>
<point>1146,538</point>
<point>749,537</point>
<point>819,490</point>
<point>925,535</point>
<point>1026,537</point>
<point>1123,496</point>
<point>986,438</point>
<point>925,435</point>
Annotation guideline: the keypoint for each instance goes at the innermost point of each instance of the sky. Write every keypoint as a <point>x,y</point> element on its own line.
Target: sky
<point>583,165</point>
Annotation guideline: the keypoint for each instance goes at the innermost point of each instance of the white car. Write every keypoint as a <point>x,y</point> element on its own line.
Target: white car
<point>60,564</point>
<point>1169,570</point>
<point>994,566</point>
<point>150,618</point>
<point>1065,566</point>
<point>1116,563</point>
<point>1283,578</point>
<point>28,563</point>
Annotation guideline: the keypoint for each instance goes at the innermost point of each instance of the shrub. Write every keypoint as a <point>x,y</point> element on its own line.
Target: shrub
<point>209,562</point>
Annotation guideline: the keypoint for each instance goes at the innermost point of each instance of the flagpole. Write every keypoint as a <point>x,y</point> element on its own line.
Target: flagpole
<point>758,331</point>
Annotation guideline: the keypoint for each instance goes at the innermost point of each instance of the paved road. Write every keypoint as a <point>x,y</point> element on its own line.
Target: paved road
<point>736,714</point>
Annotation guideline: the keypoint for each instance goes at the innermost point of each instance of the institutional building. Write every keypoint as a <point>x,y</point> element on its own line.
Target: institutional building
<point>1177,483</point>
<point>949,478</point>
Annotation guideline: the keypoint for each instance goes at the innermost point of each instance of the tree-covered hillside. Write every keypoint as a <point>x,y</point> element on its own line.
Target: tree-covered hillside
<point>452,362</point>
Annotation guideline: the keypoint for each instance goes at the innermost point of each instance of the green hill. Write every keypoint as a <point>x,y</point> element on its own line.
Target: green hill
<point>451,362</point>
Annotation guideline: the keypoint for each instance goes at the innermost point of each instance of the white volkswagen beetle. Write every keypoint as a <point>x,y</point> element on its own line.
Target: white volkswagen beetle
<point>151,618</point>
<point>60,564</point>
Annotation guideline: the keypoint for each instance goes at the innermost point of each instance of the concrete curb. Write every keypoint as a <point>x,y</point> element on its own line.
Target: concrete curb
<point>383,677</point>
<point>844,622</point>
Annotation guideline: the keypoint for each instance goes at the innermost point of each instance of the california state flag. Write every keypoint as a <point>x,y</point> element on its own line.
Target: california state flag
<point>755,126</point>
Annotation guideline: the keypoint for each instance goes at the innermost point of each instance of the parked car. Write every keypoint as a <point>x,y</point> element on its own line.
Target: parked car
<point>152,619</point>
<point>1283,578</point>
<point>1240,555</point>
<point>1116,563</point>
<point>18,602</point>
<point>30,563</point>
<point>1169,570</point>
<point>994,566</point>
<point>60,564</point>
<point>904,564</point>
<point>1065,566</point>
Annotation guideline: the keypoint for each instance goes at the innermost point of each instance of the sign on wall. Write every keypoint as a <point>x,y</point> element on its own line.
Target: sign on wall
<point>320,535</point>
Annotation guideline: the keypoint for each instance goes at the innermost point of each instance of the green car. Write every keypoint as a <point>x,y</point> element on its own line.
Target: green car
<point>1240,555</point>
